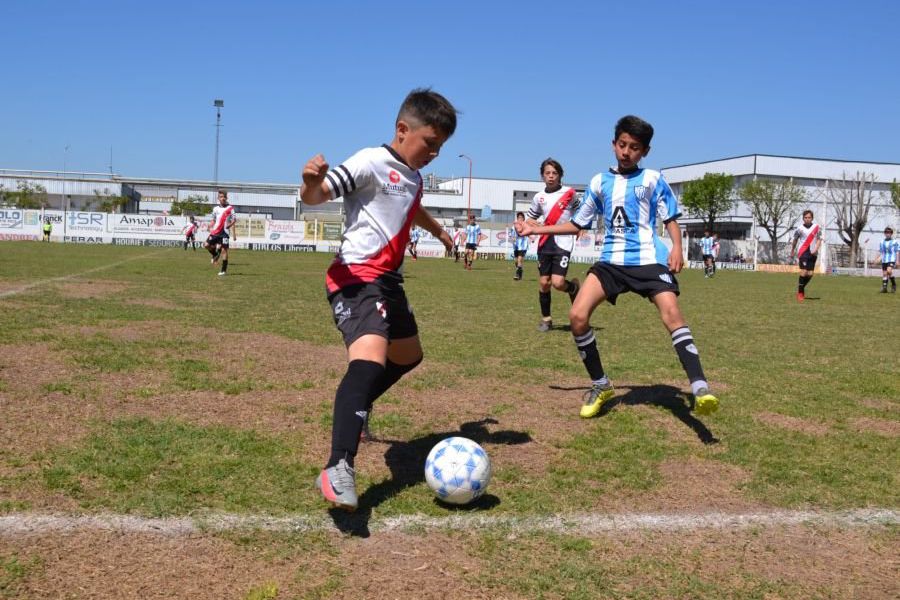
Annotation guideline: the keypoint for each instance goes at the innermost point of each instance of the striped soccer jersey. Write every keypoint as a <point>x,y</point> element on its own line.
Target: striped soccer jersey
<point>381,196</point>
<point>556,208</point>
<point>521,241</point>
<point>629,205</point>
<point>414,235</point>
<point>889,250</point>
<point>706,245</point>
<point>806,235</point>
<point>222,219</point>
<point>473,232</point>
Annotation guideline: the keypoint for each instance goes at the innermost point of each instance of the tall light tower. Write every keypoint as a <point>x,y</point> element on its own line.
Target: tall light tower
<point>469,199</point>
<point>219,104</point>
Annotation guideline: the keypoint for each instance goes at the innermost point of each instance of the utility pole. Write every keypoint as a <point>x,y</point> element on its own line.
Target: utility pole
<point>219,104</point>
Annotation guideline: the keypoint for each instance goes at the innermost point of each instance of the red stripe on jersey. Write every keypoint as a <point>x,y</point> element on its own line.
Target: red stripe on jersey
<point>809,239</point>
<point>219,225</point>
<point>555,213</point>
<point>389,258</point>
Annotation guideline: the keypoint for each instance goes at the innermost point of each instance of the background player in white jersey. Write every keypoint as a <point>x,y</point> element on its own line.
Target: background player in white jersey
<point>889,254</point>
<point>716,248</point>
<point>190,233</point>
<point>633,259</point>
<point>457,239</point>
<point>520,247</point>
<point>221,232</point>
<point>556,204</point>
<point>382,190</point>
<point>473,237</point>
<point>707,250</point>
<point>810,237</point>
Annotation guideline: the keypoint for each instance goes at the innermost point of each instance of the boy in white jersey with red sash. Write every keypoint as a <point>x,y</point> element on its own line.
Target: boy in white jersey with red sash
<point>633,259</point>
<point>556,203</point>
<point>811,237</point>
<point>382,191</point>
<point>219,239</point>
<point>189,233</point>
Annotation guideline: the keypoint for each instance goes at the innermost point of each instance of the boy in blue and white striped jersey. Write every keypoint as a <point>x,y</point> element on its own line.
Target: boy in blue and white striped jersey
<point>633,259</point>
<point>473,238</point>
<point>707,243</point>
<point>520,247</point>
<point>889,249</point>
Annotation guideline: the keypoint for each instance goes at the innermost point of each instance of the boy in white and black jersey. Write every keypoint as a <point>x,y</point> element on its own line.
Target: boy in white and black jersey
<point>809,236</point>
<point>382,191</point>
<point>556,204</point>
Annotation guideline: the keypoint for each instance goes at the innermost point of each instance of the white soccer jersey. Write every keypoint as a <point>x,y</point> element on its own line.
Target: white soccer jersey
<point>222,219</point>
<point>556,208</point>
<point>806,236</point>
<point>381,196</point>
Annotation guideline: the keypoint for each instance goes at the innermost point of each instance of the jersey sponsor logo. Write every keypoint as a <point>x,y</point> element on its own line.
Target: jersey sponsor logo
<point>620,221</point>
<point>394,176</point>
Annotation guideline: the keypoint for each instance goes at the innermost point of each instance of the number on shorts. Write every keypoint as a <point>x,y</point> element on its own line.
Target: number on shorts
<point>564,262</point>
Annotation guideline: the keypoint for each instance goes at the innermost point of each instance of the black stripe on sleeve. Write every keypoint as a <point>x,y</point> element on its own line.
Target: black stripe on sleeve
<point>344,185</point>
<point>349,177</point>
<point>335,187</point>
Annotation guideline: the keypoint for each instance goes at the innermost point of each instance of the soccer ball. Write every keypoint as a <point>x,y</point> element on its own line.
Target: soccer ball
<point>458,470</point>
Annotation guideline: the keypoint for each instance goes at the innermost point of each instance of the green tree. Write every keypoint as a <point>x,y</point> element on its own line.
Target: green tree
<point>895,193</point>
<point>775,206</point>
<point>108,203</point>
<point>28,196</point>
<point>709,198</point>
<point>192,205</point>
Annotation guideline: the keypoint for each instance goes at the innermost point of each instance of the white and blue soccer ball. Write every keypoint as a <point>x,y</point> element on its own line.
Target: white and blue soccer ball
<point>458,470</point>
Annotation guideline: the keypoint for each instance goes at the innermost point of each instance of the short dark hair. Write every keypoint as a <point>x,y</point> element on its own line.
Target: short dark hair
<point>636,127</point>
<point>224,193</point>
<point>422,106</point>
<point>807,212</point>
<point>556,165</point>
<point>520,214</point>
<point>888,230</point>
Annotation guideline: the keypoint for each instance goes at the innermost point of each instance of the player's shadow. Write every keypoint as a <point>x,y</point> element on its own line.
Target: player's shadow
<point>665,396</point>
<point>406,460</point>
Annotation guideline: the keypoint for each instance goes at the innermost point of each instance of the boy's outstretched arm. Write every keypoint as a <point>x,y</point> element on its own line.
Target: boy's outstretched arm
<point>424,220</point>
<point>565,228</point>
<point>314,191</point>
<point>676,257</point>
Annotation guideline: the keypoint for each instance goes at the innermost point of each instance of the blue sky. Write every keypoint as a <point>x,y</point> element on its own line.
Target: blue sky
<point>716,79</point>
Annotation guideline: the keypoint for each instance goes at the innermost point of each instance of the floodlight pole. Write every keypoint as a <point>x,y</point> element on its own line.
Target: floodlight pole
<point>219,104</point>
<point>469,199</point>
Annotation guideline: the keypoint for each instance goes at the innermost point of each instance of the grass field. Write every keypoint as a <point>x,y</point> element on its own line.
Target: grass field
<point>134,382</point>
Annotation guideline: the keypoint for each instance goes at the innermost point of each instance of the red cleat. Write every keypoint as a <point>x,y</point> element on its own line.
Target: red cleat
<point>800,296</point>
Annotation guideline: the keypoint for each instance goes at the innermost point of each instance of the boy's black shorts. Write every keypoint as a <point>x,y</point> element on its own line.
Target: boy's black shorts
<point>807,261</point>
<point>518,253</point>
<point>471,246</point>
<point>644,280</point>
<point>370,308</point>
<point>886,266</point>
<point>553,264</point>
<point>189,237</point>
<point>215,240</point>
<point>707,257</point>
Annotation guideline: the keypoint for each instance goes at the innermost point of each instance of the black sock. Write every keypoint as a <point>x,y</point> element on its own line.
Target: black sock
<point>224,265</point>
<point>893,282</point>
<point>350,409</point>
<point>590,356</point>
<point>687,352</point>
<point>392,374</point>
<point>545,304</point>
<point>804,279</point>
<point>519,272</point>
<point>211,250</point>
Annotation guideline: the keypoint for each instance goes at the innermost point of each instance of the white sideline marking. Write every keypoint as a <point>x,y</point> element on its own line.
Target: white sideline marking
<point>19,524</point>
<point>16,291</point>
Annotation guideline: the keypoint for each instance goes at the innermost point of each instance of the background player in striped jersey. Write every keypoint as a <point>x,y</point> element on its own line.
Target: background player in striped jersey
<point>811,237</point>
<point>414,243</point>
<point>520,247</point>
<point>556,204</point>
<point>382,190</point>
<point>707,243</point>
<point>889,251</point>
<point>221,231</point>
<point>632,259</point>
<point>473,237</point>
